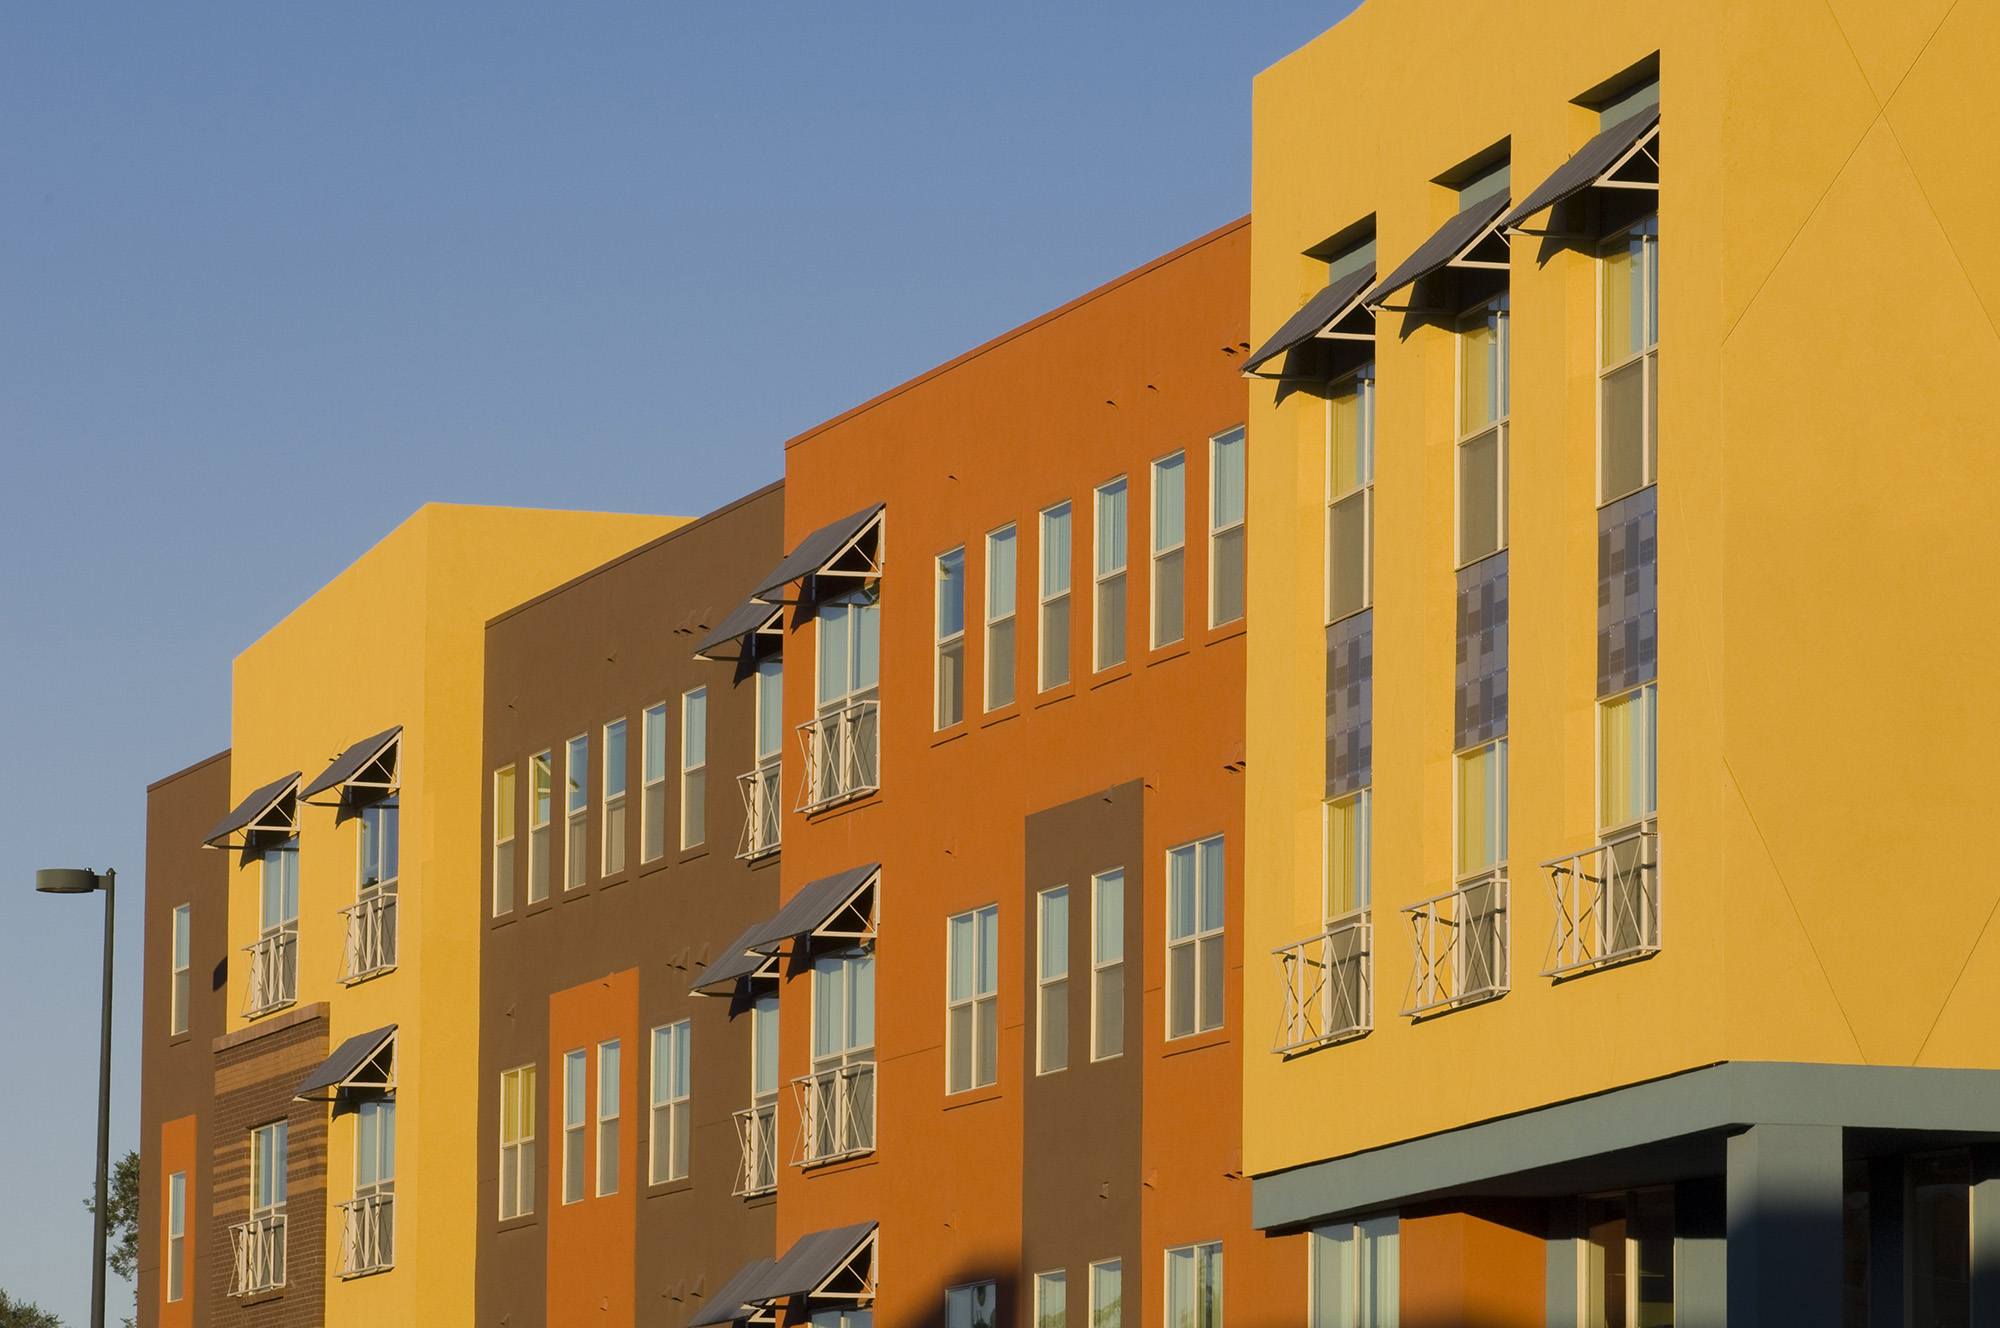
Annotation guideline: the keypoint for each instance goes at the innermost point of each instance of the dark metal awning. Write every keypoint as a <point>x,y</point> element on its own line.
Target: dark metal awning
<point>734,1302</point>
<point>1598,163</point>
<point>1320,317</point>
<point>817,554</point>
<point>839,1262</point>
<point>368,767</point>
<point>365,1061</point>
<point>839,908</point>
<point>1454,245</point>
<point>749,619</point>
<point>271,808</point>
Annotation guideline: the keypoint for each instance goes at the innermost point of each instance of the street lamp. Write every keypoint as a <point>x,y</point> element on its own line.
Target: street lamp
<point>80,881</point>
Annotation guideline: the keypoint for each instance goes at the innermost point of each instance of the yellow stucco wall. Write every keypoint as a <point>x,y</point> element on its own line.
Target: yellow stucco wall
<point>1830,373</point>
<point>398,638</point>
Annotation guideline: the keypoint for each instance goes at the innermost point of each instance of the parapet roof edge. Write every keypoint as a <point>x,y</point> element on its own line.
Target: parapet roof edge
<point>187,770</point>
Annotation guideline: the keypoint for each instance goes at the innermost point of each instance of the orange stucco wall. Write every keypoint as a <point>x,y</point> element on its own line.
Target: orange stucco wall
<point>1486,1269</point>
<point>592,1241</point>
<point>177,1153</point>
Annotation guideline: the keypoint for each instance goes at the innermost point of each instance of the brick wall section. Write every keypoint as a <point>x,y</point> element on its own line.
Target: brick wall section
<point>256,1072</point>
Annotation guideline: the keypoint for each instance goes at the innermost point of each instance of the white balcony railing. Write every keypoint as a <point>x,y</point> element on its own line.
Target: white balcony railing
<point>1607,903</point>
<point>274,972</point>
<point>836,1113</point>
<point>260,1255</point>
<point>843,755</point>
<point>757,1131</point>
<point>762,812</point>
<point>1328,986</point>
<point>1459,942</point>
<point>368,1234</point>
<point>371,937</point>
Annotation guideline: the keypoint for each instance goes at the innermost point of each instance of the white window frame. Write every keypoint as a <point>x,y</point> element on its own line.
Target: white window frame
<point>1051,1280</point>
<point>576,1125</point>
<point>1360,1243</point>
<point>576,813</point>
<point>672,1104</point>
<point>616,763</point>
<point>1460,871</point>
<point>949,644</point>
<point>968,1295</point>
<point>519,1085</point>
<point>1363,492</point>
<point>694,769</point>
<point>181,991</point>
<point>280,1133</point>
<point>1649,226</point>
<point>1050,984</point>
<point>1207,1259</point>
<point>1052,598</point>
<point>1364,883</point>
<point>977,1001</point>
<point>176,1236</point>
<point>1101,968</point>
<point>1104,578</point>
<point>606,1154</point>
<point>1500,425</point>
<point>653,782</point>
<point>1171,553</point>
<point>541,803</point>
<point>1104,1271</point>
<point>1198,938</point>
<point>504,816</point>
<point>1219,529</point>
<point>1002,619</point>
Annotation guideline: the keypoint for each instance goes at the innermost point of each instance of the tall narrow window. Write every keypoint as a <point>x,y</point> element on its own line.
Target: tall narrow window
<point>1347,854</point>
<point>761,790</point>
<point>1194,1286</point>
<point>972,1015</point>
<point>576,1125</point>
<point>1628,774</point>
<point>262,1263</point>
<point>694,768</point>
<point>576,810</point>
<point>607,1117</point>
<point>1482,809</point>
<point>1110,562</point>
<point>369,1240</point>
<point>371,922</point>
<point>1355,1282</point>
<point>1629,352</point>
<point>1169,550</point>
<point>1055,596</point>
<point>176,1235</point>
<point>1940,1225</point>
<point>612,853</point>
<point>671,1102</point>
<point>840,1108</point>
<point>950,638</point>
<point>1107,1294</point>
<point>274,959</point>
<point>1482,431</point>
<point>1194,937</point>
<point>1479,953</point>
<point>653,784</point>
<point>1052,981</point>
<point>975,1306</point>
<point>1627,1269</point>
<point>503,841</point>
<point>540,808</point>
<point>1051,1299</point>
<point>1226,502</point>
<point>1350,494</point>
<point>1107,964</point>
<point>1000,604</point>
<point>183,993</point>
<point>843,741</point>
<point>517,1142</point>
<point>760,1143</point>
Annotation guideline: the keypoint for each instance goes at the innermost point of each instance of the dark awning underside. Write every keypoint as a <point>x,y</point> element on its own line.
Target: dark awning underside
<point>351,762</point>
<point>1452,241</point>
<point>746,619</point>
<point>252,808</point>
<point>1590,164</point>
<point>815,551</point>
<point>806,912</point>
<point>730,1304</point>
<point>813,1258</point>
<point>348,1057</point>
<point>1319,313</point>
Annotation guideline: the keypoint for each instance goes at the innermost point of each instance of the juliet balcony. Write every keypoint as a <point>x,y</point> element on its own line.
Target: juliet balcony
<point>1458,941</point>
<point>1607,903</point>
<point>843,756</point>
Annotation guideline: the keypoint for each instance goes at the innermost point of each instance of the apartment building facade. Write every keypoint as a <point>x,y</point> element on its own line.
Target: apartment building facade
<point>311,1051</point>
<point>612,1181</point>
<point>1607,983</point>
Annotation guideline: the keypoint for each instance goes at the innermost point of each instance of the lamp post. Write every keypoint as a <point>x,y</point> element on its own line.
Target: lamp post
<point>80,881</point>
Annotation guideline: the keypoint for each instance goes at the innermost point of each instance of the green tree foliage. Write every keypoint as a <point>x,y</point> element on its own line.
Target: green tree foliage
<point>122,1230</point>
<point>21,1314</point>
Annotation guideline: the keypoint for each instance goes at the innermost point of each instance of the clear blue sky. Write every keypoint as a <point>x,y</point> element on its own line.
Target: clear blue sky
<point>271,276</point>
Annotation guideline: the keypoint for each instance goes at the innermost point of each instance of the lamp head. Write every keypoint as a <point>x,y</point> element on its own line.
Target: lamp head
<point>66,881</point>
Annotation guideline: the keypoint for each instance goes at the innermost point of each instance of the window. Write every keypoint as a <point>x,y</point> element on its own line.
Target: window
<point>381,846</point>
<point>517,1142</point>
<point>950,638</point>
<point>259,1242</point>
<point>1052,981</point>
<point>670,1124</point>
<point>839,1101</point>
<point>653,783</point>
<point>1107,965</point>
<point>268,1168</point>
<point>1347,851</point>
<point>1628,1260</point>
<point>503,841</point>
<point>1939,1238</point>
<point>1051,1291</point>
<point>1194,937</point>
<point>1169,550</point>
<point>576,1135</point>
<point>1355,1282</point>
<point>607,1118</point>
<point>1482,431</point>
<point>1000,602</point>
<point>971,1306</point>
<point>1628,360</point>
<point>842,740</point>
<point>176,1235</point>
<point>274,958</point>
<point>694,768</point>
<point>760,787</point>
<point>612,853</point>
<point>1350,494</point>
<point>1628,762</point>
<point>1194,1286</point>
<point>1226,496</point>
<point>972,1006</point>
<point>1107,1294</point>
<point>576,807</point>
<point>540,800</point>
<point>368,1235</point>
<point>759,1125</point>
<point>183,992</point>
<point>1110,545</point>
<point>375,1148</point>
<point>371,920</point>
<point>1055,597</point>
<point>1482,809</point>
